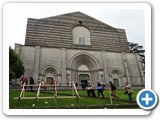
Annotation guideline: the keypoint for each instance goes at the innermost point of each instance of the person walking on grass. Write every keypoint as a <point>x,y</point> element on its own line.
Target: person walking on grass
<point>24,80</point>
<point>113,89</point>
<point>43,85</point>
<point>100,89</point>
<point>90,90</point>
<point>31,83</point>
<point>128,91</point>
<point>52,82</point>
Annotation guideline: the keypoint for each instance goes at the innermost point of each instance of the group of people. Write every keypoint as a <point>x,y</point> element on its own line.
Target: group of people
<point>24,80</point>
<point>31,82</point>
<point>90,90</point>
<point>101,87</point>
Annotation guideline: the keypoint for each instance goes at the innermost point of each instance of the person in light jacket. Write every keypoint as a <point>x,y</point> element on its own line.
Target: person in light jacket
<point>128,91</point>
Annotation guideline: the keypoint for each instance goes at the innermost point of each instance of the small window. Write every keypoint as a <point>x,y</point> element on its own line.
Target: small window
<point>81,40</point>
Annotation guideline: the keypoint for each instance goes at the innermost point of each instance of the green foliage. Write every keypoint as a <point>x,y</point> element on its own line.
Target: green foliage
<point>135,48</point>
<point>11,74</point>
<point>16,68</point>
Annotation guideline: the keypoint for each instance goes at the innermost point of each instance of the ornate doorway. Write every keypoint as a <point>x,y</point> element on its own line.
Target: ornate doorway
<point>84,67</point>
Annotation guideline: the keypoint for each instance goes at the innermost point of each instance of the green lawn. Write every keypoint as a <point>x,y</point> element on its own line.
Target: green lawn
<point>66,102</point>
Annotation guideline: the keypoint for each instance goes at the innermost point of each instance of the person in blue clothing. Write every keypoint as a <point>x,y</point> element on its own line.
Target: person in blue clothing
<point>100,89</point>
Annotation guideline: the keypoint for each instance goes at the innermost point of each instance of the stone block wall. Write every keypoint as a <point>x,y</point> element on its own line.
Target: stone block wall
<point>109,65</point>
<point>57,32</point>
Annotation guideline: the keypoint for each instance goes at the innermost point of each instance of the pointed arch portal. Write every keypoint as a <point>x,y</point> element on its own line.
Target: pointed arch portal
<point>84,67</point>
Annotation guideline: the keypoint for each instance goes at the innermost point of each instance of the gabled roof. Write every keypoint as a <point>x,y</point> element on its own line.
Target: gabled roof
<point>77,16</point>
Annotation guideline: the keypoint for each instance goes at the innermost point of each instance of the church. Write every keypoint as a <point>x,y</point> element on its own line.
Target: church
<point>77,47</point>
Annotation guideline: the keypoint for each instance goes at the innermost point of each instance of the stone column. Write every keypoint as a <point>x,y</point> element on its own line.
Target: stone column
<point>99,74</point>
<point>36,64</point>
<point>105,75</point>
<point>58,78</point>
<point>63,65</point>
<point>93,79</point>
<point>76,78</point>
<point>126,66</point>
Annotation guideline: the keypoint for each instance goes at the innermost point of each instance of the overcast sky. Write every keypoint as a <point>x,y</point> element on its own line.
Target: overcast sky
<point>128,17</point>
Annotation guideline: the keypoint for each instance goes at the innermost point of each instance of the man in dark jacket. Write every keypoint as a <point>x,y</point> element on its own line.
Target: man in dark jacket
<point>113,89</point>
<point>31,83</point>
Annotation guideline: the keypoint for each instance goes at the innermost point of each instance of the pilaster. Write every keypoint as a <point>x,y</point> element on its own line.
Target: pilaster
<point>63,65</point>
<point>36,62</point>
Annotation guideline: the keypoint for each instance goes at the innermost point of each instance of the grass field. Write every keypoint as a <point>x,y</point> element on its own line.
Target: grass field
<point>66,102</point>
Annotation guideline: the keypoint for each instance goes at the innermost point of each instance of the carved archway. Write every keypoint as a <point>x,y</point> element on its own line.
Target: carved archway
<point>50,72</point>
<point>117,75</point>
<point>84,59</point>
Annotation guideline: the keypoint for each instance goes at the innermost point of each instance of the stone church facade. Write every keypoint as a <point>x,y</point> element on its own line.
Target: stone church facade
<point>77,47</point>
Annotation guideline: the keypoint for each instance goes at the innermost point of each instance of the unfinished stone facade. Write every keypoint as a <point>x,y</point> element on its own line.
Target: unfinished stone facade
<point>77,47</point>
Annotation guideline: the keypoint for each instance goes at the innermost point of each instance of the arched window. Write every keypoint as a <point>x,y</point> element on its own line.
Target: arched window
<point>81,35</point>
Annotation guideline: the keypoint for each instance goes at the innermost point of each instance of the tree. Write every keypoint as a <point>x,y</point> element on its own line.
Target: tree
<point>135,48</point>
<point>16,68</point>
